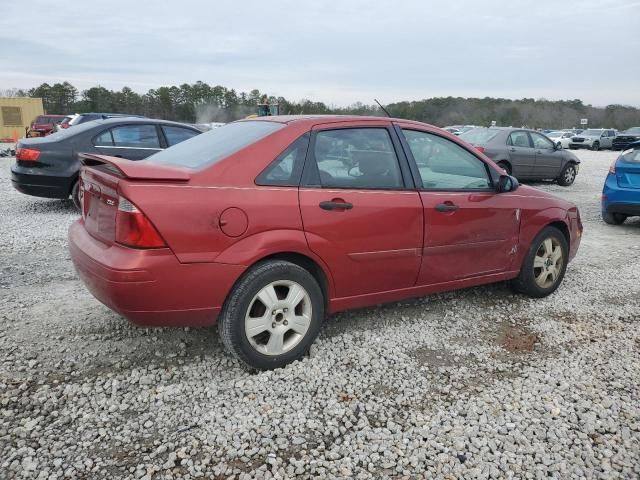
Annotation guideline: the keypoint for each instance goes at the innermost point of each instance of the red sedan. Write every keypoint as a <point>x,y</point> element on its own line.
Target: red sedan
<point>266,225</point>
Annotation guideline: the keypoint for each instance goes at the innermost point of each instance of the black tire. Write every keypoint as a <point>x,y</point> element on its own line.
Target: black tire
<point>613,218</point>
<point>526,281</point>
<point>568,175</point>
<point>231,323</point>
<point>75,195</point>
<point>505,165</point>
<point>596,146</point>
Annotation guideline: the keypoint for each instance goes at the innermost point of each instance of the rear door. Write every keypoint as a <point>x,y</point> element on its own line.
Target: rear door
<point>469,229</point>
<point>133,142</point>
<point>521,153</point>
<point>548,159</point>
<point>360,212</point>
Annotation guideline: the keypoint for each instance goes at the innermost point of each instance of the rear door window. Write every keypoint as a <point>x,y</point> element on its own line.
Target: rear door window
<point>357,158</point>
<point>136,136</point>
<point>519,139</point>
<point>104,139</point>
<point>175,135</point>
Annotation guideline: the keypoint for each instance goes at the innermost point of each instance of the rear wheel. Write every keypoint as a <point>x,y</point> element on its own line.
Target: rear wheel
<point>596,146</point>
<point>75,194</point>
<point>545,264</point>
<point>567,175</point>
<point>505,166</point>
<point>272,315</point>
<point>613,218</point>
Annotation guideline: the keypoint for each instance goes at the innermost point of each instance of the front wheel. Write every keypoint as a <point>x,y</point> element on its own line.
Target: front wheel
<point>613,218</point>
<point>272,315</point>
<point>595,147</point>
<point>567,175</point>
<point>545,264</point>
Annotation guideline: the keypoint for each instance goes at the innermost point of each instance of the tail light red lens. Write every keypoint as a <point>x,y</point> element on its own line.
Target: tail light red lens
<point>134,229</point>
<point>479,148</point>
<point>27,154</point>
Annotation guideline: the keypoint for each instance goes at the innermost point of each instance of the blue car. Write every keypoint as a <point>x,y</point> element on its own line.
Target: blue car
<point>621,192</point>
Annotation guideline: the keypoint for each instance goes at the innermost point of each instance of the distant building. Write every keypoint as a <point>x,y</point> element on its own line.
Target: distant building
<point>16,114</point>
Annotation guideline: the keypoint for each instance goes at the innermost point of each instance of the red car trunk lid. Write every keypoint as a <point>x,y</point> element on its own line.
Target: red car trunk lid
<point>101,176</point>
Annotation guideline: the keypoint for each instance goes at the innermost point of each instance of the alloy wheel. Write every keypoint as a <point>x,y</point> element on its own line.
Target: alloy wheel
<point>569,175</point>
<point>548,263</point>
<point>278,317</point>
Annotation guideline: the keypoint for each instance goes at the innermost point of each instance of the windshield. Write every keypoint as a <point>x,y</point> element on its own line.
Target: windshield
<point>555,133</point>
<point>592,133</point>
<point>479,136</point>
<point>632,131</point>
<point>214,145</point>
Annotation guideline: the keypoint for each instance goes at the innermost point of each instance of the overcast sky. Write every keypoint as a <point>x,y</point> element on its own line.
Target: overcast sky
<point>336,51</point>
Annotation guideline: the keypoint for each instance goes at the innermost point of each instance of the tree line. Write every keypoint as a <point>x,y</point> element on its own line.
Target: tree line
<point>200,102</point>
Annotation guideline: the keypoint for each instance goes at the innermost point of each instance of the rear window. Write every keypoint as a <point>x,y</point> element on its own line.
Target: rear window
<point>214,145</point>
<point>631,157</point>
<point>41,119</point>
<point>479,136</point>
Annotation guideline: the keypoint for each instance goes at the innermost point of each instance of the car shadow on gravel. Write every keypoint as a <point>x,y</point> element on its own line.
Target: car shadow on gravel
<point>42,206</point>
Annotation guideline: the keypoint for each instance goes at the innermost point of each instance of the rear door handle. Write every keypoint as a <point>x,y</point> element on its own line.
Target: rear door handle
<point>446,207</point>
<point>336,205</point>
<point>512,149</point>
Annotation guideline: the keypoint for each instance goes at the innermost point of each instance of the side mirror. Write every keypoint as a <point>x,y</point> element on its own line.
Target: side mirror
<point>507,183</point>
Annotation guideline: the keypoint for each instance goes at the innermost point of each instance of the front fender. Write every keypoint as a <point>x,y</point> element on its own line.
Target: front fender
<point>532,224</point>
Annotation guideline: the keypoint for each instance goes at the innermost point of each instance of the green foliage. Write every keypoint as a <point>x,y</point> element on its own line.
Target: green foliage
<point>200,102</point>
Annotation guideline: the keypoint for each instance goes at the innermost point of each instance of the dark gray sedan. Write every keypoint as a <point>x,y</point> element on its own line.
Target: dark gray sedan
<point>525,154</point>
<point>48,167</point>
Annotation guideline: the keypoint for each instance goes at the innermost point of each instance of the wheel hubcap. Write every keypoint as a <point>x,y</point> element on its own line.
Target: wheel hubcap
<point>278,317</point>
<point>569,175</point>
<point>548,263</point>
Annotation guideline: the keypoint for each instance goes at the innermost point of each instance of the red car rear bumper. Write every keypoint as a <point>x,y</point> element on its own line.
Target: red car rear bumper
<point>151,287</point>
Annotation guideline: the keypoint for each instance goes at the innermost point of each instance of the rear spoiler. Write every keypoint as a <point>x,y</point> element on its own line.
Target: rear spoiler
<point>135,169</point>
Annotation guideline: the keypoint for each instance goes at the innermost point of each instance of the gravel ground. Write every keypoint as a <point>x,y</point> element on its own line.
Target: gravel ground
<point>480,383</point>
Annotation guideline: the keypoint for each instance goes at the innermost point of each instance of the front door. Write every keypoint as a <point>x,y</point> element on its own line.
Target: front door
<point>469,229</point>
<point>521,153</point>
<point>548,159</point>
<point>358,213</point>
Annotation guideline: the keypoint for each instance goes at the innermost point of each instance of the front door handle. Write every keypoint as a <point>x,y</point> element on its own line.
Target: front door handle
<point>446,207</point>
<point>336,205</point>
<point>512,149</point>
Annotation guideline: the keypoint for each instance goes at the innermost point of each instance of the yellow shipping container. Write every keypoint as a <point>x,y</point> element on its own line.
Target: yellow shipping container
<point>16,114</point>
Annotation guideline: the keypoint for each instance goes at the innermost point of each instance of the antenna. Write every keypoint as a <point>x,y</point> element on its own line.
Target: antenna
<point>383,109</point>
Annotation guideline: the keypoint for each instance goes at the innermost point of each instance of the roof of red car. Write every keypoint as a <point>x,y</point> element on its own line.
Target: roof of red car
<point>326,118</point>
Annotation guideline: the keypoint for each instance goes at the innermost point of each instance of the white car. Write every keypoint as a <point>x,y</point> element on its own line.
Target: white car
<point>561,138</point>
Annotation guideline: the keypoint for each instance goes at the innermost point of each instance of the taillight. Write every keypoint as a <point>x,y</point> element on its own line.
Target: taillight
<point>479,148</point>
<point>27,154</point>
<point>81,198</point>
<point>134,229</point>
<point>612,168</point>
